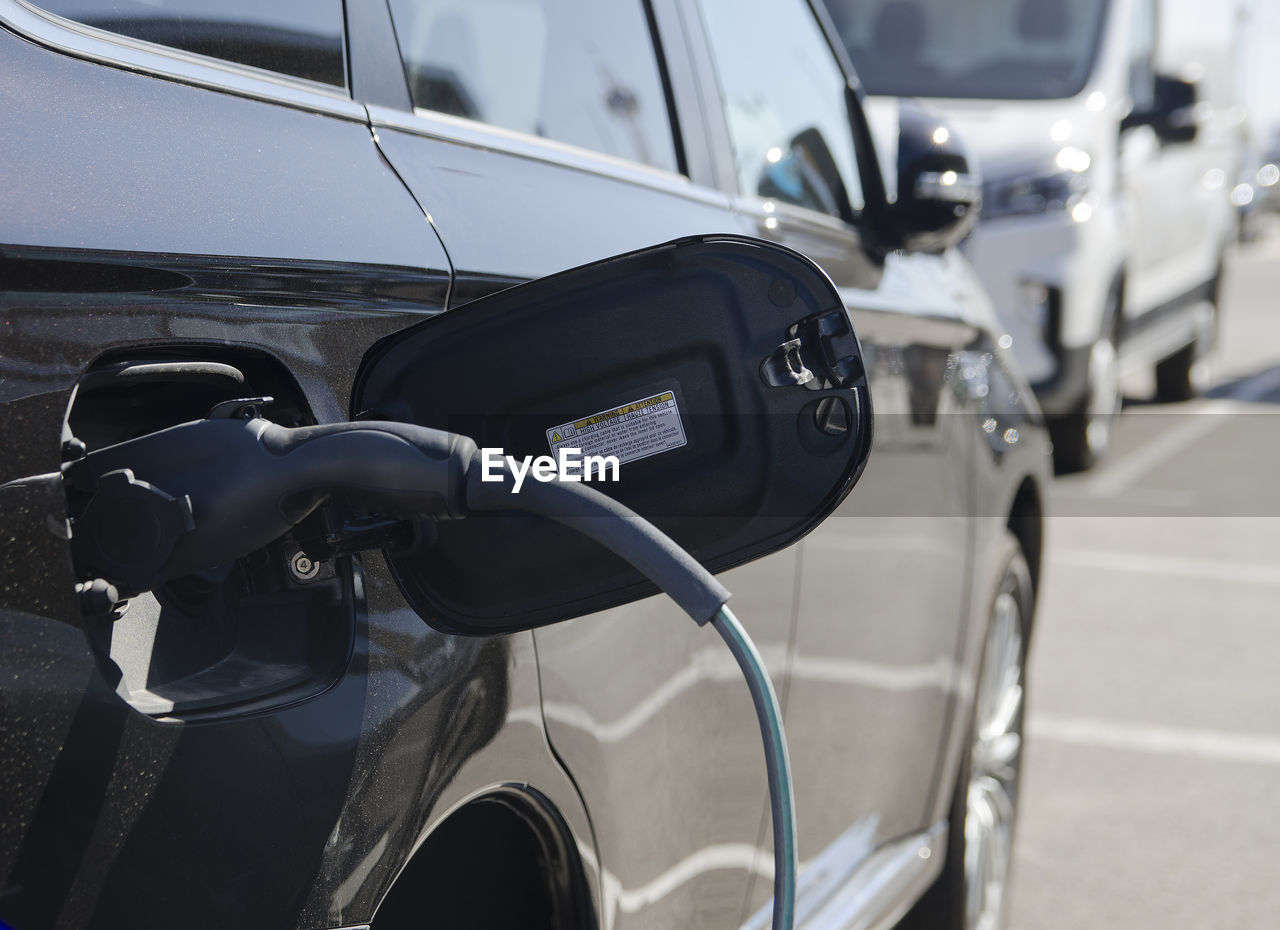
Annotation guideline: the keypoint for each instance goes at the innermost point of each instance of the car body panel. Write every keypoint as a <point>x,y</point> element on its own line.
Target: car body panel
<point>554,206</point>
<point>94,140</point>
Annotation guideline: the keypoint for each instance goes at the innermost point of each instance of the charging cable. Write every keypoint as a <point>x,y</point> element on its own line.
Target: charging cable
<point>782,804</point>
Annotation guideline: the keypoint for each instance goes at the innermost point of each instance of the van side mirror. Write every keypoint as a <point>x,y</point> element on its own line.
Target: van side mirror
<point>1175,113</point>
<point>939,189</point>
<point>722,372</point>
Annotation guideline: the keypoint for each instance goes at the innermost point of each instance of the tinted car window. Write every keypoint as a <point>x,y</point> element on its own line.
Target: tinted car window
<point>302,38</point>
<point>784,96</point>
<point>577,71</point>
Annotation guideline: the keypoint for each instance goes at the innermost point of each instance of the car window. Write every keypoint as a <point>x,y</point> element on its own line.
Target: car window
<point>578,71</point>
<point>784,98</point>
<point>302,38</point>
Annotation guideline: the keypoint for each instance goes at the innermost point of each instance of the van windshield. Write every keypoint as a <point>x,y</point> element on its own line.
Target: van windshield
<point>997,49</point>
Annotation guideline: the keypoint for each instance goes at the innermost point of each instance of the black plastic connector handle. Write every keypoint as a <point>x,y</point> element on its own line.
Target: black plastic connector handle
<point>205,493</point>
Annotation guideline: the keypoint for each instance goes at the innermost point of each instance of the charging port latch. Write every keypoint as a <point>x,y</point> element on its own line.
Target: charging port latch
<point>830,336</point>
<point>784,366</point>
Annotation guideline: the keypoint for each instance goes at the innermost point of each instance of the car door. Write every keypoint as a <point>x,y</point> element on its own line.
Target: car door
<point>540,136</point>
<point>871,670</point>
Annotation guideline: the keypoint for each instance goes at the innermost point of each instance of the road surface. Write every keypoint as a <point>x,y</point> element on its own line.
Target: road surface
<point>1151,793</point>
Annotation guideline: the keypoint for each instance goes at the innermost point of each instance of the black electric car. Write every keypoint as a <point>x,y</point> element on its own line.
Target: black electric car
<point>308,213</point>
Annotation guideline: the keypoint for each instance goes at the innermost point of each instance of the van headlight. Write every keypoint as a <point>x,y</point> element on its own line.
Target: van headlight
<point>1062,185</point>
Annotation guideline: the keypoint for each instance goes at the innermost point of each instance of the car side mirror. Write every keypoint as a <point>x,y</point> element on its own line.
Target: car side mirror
<point>1175,113</point>
<point>939,189</point>
<point>722,372</point>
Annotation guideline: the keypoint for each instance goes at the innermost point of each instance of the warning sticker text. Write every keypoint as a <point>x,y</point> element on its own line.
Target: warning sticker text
<point>631,431</point>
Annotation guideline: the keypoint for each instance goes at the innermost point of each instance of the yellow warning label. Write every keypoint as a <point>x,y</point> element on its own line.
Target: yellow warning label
<point>629,431</point>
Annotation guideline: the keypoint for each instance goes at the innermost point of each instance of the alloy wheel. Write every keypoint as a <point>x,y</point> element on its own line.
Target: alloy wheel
<point>994,767</point>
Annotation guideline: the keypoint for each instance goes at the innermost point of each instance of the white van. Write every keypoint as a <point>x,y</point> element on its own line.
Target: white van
<point>1106,211</point>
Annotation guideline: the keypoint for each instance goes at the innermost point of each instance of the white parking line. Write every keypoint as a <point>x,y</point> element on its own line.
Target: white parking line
<point>1257,573</point>
<point>1212,745</point>
<point>1120,473</point>
<point>1198,421</point>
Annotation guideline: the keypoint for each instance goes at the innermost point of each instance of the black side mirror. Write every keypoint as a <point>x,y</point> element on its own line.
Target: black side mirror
<point>1174,115</point>
<point>939,190</point>
<point>723,372</point>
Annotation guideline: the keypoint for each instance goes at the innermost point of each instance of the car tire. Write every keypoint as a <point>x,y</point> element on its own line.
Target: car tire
<point>1185,374</point>
<point>1082,438</point>
<point>971,891</point>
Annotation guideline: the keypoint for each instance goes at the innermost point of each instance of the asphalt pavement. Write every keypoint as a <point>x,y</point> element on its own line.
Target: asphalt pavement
<point>1151,792</point>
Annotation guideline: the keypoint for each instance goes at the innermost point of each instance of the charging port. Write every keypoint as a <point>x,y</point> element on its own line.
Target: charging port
<point>272,628</point>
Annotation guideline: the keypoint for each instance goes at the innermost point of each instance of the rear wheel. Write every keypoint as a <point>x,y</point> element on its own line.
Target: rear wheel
<point>1083,437</point>
<point>971,892</point>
